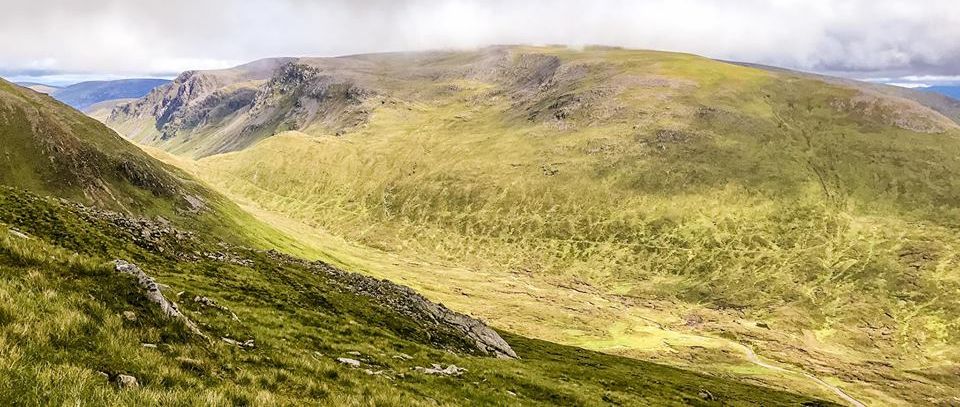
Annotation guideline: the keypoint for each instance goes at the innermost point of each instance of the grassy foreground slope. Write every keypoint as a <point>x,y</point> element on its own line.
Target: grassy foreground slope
<point>253,327</point>
<point>814,222</point>
<point>70,326</point>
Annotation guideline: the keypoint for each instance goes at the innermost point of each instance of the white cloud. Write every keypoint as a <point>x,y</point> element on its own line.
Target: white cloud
<point>857,37</point>
<point>909,85</point>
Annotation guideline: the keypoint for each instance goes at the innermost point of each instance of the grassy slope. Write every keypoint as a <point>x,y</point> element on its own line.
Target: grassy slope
<point>48,148</point>
<point>62,305</point>
<point>737,203</point>
<point>61,322</point>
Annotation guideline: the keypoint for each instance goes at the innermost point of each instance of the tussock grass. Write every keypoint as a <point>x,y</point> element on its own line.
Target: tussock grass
<point>62,321</point>
<point>724,190</point>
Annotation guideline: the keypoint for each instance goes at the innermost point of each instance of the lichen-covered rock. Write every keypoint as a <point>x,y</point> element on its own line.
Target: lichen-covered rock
<point>127,382</point>
<point>154,295</point>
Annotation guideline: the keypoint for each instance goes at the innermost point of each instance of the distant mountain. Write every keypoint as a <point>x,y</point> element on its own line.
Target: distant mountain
<point>82,95</point>
<point>40,87</point>
<point>951,91</point>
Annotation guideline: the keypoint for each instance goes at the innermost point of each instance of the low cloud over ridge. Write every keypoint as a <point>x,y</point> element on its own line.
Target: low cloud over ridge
<point>857,38</point>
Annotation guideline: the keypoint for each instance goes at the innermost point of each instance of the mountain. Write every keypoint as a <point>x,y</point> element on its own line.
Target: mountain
<point>39,87</point>
<point>947,106</point>
<point>125,282</point>
<point>655,205</point>
<point>83,95</point>
<point>206,102</point>
<point>951,91</point>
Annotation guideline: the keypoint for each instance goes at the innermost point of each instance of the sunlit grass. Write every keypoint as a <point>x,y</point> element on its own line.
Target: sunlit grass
<point>761,201</point>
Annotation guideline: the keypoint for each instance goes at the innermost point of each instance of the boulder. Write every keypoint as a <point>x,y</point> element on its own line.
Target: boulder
<point>437,369</point>
<point>127,382</point>
<point>349,362</point>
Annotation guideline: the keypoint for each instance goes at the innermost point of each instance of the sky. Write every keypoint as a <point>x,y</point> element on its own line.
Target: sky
<point>905,42</point>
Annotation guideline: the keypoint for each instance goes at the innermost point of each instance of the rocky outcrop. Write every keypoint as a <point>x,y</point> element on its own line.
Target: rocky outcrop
<point>153,294</point>
<point>874,107</point>
<point>438,370</point>
<point>157,235</point>
<point>241,107</point>
<point>411,304</point>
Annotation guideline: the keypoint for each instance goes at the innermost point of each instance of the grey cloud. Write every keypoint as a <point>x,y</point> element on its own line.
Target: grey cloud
<point>859,38</point>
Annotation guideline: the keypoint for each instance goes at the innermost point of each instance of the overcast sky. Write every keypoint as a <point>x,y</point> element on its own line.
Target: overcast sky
<point>901,41</point>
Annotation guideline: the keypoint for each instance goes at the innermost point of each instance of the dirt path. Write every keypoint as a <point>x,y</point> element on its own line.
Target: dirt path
<point>753,358</point>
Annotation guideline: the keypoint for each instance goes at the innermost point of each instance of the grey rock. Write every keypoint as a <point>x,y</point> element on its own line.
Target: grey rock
<point>408,302</point>
<point>127,382</point>
<point>349,362</point>
<point>19,234</point>
<point>437,369</point>
<point>154,295</point>
<point>403,356</point>
<point>208,302</point>
<point>706,395</point>
<point>245,344</point>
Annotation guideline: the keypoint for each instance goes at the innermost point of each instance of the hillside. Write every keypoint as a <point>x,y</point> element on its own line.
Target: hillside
<point>259,328</point>
<point>131,284</point>
<point>658,205</point>
<point>52,149</point>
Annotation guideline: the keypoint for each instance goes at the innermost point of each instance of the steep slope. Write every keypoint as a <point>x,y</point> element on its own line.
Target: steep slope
<point>207,103</point>
<point>104,307</point>
<point>268,330</point>
<point>50,148</point>
<point>82,95</point>
<point>653,204</point>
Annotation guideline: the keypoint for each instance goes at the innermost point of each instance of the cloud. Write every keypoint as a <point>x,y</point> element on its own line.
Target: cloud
<point>909,85</point>
<point>858,38</point>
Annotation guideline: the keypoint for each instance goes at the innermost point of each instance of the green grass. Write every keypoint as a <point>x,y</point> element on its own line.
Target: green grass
<point>61,322</point>
<point>737,195</point>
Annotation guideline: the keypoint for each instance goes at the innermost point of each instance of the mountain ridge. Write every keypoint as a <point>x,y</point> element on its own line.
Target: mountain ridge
<point>83,95</point>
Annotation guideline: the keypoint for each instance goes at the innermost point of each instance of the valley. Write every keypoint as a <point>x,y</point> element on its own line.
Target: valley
<point>446,203</point>
<point>659,206</point>
<point>126,281</point>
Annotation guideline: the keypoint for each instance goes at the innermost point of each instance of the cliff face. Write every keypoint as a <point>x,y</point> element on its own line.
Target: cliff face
<point>218,111</point>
